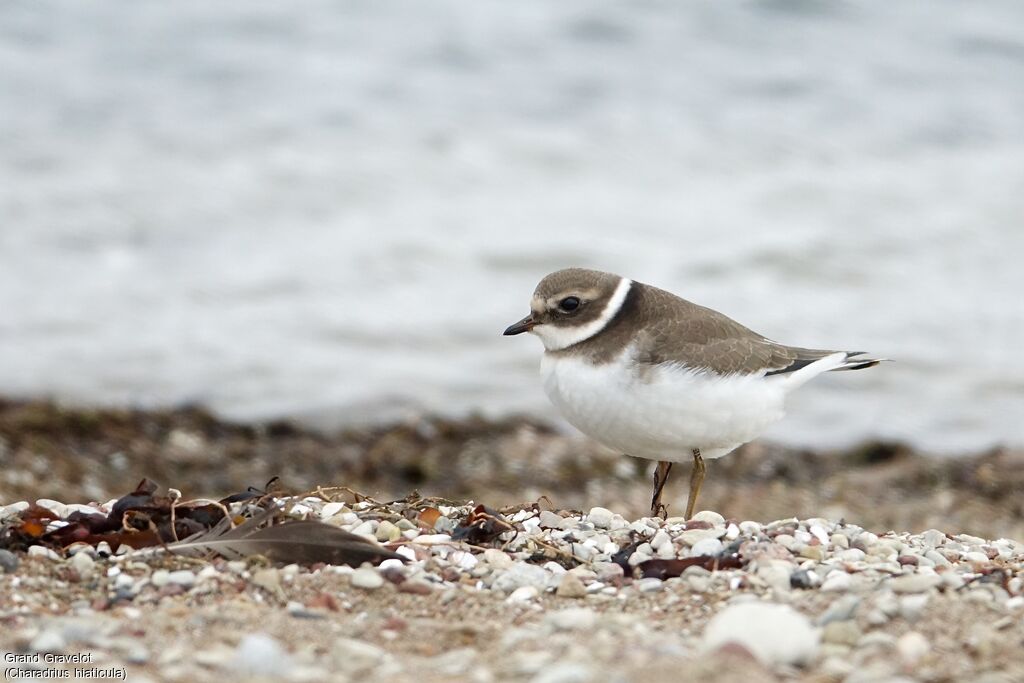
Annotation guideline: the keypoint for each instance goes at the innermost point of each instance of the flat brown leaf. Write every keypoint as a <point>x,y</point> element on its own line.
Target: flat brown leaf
<point>428,517</point>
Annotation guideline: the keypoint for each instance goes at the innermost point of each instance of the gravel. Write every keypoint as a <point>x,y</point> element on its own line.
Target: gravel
<point>561,596</point>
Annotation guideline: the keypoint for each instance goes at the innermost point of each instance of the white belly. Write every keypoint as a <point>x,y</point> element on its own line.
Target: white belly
<point>664,412</point>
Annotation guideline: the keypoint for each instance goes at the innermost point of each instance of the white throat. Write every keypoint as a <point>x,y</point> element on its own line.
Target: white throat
<point>556,338</point>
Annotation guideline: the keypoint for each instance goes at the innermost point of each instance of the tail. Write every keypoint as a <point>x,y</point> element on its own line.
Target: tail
<point>807,368</point>
<point>851,362</point>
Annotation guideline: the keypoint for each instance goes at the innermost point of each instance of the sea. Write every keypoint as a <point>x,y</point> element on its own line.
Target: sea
<point>330,211</point>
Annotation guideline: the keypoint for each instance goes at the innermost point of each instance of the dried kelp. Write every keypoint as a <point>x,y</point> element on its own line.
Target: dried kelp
<point>482,526</point>
<point>145,518</point>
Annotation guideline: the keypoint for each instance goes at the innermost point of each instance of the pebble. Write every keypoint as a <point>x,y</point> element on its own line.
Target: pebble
<point>837,582</point>
<point>600,517</point>
<point>608,572</point>
<point>952,580</point>
<point>498,559</point>
<point>367,528</point>
<point>914,583</point>
<point>160,578</point>
<point>706,546</point>
<point>261,655</point>
<point>352,656</point>
<point>803,579</point>
<point>8,561</point>
<point>386,532</point>
<point>575,619</point>
<point>523,594</point>
<point>14,508</point>
<point>912,606</point>
<point>812,552</point>
<point>692,536</point>
<point>750,528</point>
<point>650,585</point>
<point>841,633</point>
<point>416,586</point>
<point>709,516</point>
<point>366,578</point>
<point>933,538</point>
<point>522,574</point>
<point>49,640</point>
<point>83,564</point>
<point>57,508</point>
<point>912,646</point>
<point>269,579</point>
<point>661,538</point>
<point>775,634</point>
<point>42,551</point>
<point>566,672</point>
<point>842,609</point>
<point>571,587</point>
<point>182,577</point>
<point>550,520</point>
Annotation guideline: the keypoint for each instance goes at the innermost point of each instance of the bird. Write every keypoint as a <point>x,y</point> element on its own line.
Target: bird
<point>652,375</point>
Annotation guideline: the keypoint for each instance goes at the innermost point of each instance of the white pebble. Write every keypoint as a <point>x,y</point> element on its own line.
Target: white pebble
<point>691,536</point>
<point>331,509</point>
<point>660,539</point>
<point>911,606</point>
<point>261,655</point>
<point>600,517</point>
<point>366,578</point>
<point>577,618</point>
<point>837,581</point>
<point>433,539</point>
<point>709,516</point>
<point>40,551</point>
<point>775,634</point>
<point>182,577</point>
<point>912,646</point>
<point>706,546</point>
<point>83,564</point>
<point>523,594</point>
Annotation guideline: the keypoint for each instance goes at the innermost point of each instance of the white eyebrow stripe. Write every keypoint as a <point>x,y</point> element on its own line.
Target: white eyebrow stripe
<point>557,338</point>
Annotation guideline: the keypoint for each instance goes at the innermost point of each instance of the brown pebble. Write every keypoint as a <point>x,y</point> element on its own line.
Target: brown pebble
<point>415,587</point>
<point>171,590</point>
<point>907,559</point>
<point>323,601</point>
<point>395,624</point>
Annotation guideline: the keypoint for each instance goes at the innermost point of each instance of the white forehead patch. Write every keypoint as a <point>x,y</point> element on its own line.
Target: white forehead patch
<point>556,338</point>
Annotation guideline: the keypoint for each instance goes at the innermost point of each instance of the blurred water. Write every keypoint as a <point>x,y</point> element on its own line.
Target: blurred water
<point>332,210</point>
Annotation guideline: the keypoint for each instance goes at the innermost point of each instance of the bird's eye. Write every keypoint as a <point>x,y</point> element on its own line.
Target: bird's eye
<point>569,303</point>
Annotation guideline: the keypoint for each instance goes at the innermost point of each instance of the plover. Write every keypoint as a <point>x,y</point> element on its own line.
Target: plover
<point>655,376</point>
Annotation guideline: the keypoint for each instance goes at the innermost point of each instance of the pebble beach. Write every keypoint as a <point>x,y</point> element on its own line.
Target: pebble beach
<point>560,597</point>
<point>912,571</point>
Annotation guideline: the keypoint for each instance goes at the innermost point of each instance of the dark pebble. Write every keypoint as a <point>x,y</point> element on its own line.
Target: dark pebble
<point>8,561</point>
<point>801,578</point>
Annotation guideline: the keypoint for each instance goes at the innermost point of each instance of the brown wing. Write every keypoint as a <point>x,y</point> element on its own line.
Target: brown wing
<point>678,331</point>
